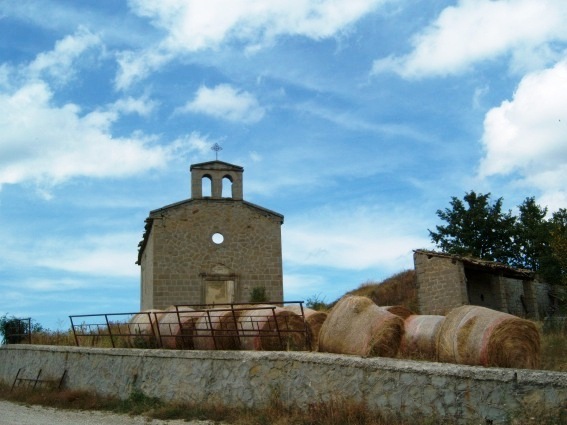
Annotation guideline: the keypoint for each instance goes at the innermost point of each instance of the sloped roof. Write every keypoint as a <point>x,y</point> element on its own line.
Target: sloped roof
<point>216,165</point>
<point>477,263</point>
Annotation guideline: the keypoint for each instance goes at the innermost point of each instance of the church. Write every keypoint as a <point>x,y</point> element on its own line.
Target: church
<point>212,248</point>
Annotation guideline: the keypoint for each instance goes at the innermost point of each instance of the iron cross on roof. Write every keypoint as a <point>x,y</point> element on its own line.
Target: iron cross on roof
<point>216,147</point>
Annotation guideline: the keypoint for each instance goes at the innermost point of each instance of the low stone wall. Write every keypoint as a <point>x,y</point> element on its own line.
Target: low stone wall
<point>408,389</point>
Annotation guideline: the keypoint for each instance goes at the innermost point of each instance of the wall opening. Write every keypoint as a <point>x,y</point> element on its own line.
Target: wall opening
<point>207,185</point>
<point>479,289</point>
<point>227,187</point>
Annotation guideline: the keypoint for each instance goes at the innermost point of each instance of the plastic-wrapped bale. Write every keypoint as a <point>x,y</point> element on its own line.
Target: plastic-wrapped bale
<point>398,310</point>
<point>475,335</point>
<point>216,329</point>
<point>176,328</point>
<point>314,320</point>
<point>420,337</point>
<point>271,328</point>
<point>356,325</point>
<point>143,328</point>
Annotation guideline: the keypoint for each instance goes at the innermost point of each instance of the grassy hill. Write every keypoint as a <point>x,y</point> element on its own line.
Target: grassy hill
<point>400,289</point>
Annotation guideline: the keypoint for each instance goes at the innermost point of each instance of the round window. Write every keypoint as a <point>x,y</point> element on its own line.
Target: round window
<point>218,238</point>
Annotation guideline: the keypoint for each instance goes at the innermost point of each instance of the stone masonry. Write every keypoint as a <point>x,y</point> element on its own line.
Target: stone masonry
<point>253,379</point>
<point>211,248</point>
<point>447,281</point>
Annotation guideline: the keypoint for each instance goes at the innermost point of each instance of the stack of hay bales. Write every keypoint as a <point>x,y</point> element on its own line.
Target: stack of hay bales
<point>216,329</point>
<point>314,320</point>
<point>176,327</point>
<point>420,337</point>
<point>271,328</point>
<point>356,325</point>
<point>476,335</point>
<point>143,328</point>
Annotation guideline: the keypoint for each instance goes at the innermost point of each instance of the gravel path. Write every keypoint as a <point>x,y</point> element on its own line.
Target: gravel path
<point>17,414</point>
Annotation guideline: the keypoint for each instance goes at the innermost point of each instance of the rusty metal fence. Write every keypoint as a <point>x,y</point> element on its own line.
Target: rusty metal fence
<point>231,326</point>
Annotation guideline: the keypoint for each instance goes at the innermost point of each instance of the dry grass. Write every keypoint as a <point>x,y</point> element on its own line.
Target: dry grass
<point>334,412</point>
<point>400,289</point>
<point>553,349</point>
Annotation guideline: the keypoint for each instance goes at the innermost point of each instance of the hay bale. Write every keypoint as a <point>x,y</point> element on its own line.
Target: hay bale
<point>143,328</point>
<point>216,329</point>
<point>480,336</point>
<point>314,320</point>
<point>356,325</point>
<point>259,329</point>
<point>398,310</point>
<point>420,337</point>
<point>176,328</point>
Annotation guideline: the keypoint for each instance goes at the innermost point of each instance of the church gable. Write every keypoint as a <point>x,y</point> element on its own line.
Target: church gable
<point>193,239</point>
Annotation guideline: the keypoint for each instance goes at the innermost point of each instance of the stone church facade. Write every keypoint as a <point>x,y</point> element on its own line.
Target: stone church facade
<point>212,248</point>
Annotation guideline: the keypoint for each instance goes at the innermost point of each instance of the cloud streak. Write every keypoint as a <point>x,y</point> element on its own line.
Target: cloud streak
<point>195,25</point>
<point>480,30</point>
<point>360,238</point>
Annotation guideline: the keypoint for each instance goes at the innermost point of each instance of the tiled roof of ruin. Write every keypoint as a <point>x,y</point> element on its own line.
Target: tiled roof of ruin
<point>492,266</point>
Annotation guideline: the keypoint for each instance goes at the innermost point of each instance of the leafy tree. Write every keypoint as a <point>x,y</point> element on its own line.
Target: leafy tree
<point>532,237</point>
<point>558,244</point>
<point>477,228</point>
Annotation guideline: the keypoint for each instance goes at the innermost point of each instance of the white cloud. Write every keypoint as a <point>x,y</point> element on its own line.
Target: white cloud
<point>104,254</point>
<point>101,255</point>
<point>477,30</point>
<point>193,25</point>
<point>356,239</point>
<point>49,144</point>
<point>527,136</point>
<point>226,102</point>
<point>194,142</point>
<point>143,106</point>
<point>60,62</point>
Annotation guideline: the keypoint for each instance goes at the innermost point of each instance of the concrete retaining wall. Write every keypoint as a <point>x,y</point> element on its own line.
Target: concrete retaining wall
<point>236,378</point>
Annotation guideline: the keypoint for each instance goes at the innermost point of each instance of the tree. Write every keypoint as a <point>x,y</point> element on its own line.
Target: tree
<point>558,244</point>
<point>14,330</point>
<point>532,237</point>
<point>476,228</point>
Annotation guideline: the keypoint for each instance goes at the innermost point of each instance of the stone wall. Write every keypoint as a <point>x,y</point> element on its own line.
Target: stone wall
<point>441,284</point>
<point>407,389</point>
<point>182,257</point>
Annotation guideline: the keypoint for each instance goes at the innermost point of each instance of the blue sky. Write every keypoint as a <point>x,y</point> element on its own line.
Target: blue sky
<point>355,119</point>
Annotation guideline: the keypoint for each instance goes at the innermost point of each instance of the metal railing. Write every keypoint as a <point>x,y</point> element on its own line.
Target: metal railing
<point>203,326</point>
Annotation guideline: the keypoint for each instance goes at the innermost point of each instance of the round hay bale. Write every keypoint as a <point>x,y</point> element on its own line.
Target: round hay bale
<point>356,325</point>
<point>143,328</point>
<point>176,328</point>
<point>259,329</point>
<point>216,329</point>
<point>420,337</point>
<point>398,310</point>
<point>314,320</point>
<point>476,335</point>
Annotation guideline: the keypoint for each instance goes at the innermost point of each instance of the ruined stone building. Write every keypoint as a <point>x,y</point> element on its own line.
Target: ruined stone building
<point>214,247</point>
<point>446,281</point>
